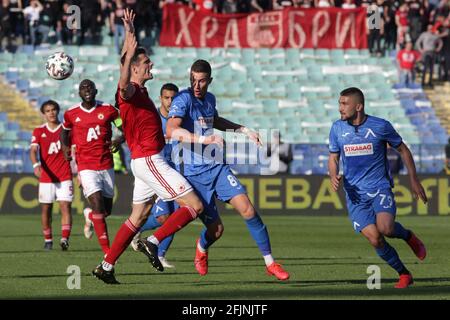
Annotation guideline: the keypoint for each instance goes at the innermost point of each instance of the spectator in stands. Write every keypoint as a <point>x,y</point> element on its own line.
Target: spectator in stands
<point>91,19</point>
<point>394,159</point>
<point>390,26</point>
<point>17,18</point>
<point>281,4</point>
<point>115,18</point>
<point>5,26</point>
<point>406,59</point>
<point>349,4</point>
<point>415,13</point>
<point>205,6</point>
<point>447,157</point>
<point>306,4</point>
<point>32,16</point>
<point>444,61</point>
<point>376,34</point>
<point>428,44</point>
<point>46,22</point>
<point>323,3</point>
<point>261,5</point>
<point>65,33</point>
<point>401,20</point>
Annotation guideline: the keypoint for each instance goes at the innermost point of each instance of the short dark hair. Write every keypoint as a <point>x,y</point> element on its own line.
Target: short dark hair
<point>353,91</point>
<point>168,87</point>
<point>134,59</point>
<point>52,103</point>
<point>201,66</point>
<point>86,82</point>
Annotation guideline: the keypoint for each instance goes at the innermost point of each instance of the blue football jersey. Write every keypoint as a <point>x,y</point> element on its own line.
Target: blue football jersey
<point>167,151</point>
<point>363,152</point>
<point>198,118</point>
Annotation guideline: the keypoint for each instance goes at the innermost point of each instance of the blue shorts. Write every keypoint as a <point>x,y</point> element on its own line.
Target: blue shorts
<point>161,208</point>
<point>363,208</point>
<point>218,182</point>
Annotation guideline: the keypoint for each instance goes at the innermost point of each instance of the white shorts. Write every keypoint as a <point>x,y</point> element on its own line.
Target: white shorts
<point>59,191</point>
<point>153,175</point>
<point>93,181</point>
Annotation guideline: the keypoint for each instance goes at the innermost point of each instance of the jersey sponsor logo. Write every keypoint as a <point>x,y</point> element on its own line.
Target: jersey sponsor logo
<point>361,149</point>
<point>54,147</point>
<point>346,134</point>
<point>93,133</point>
<point>370,132</point>
<point>43,135</point>
<point>77,119</point>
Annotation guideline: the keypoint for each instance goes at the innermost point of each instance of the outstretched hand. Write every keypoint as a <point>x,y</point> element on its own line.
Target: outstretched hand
<point>128,19</point>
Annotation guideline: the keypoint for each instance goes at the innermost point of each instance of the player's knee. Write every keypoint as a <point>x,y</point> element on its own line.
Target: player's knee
<point>376,241</point>
<point>197,206</point>
<point>387,231</point>
<point>248,211</point>
<point>216,232</point>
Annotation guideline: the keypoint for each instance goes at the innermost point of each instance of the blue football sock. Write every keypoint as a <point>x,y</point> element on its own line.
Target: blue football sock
<point>205,240</point>
<point>164,246</point>
<point>259,233</point>
<point>150,224</point>
<point>388,254</point>
<point>400,232</point>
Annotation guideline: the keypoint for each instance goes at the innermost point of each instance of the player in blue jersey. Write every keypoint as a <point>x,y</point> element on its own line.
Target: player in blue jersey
<point>192,117</point>
<point>161,210</point>
<point>361,141</point>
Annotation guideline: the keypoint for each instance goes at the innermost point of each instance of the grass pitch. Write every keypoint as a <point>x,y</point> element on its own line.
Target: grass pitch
<point>326,259</point>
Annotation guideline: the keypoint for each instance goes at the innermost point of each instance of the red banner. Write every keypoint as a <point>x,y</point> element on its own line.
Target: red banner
<point>287,28</point>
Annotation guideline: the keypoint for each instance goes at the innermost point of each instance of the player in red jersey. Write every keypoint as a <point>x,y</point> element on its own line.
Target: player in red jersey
<point>153,175</point>
<point>53,171</point>
<point>90,122</point>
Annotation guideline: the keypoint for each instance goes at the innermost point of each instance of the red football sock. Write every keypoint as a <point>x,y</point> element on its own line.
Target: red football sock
<point>98,219</point>
<point>65,230</point>
<point>177,220</point>
<point>123,238</point>
<point>47,234</point>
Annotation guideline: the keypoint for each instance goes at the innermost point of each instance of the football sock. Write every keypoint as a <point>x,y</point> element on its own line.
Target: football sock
<point>176,221</point>
<point>205,240</point>
<point>400,232</point>
<point>388,254</point>
<point>98,219</point>
<point>150,224</point>
<point>47,234</point>
<point>268,259</point>
<point>65,231</point>
<point>164,245</point>
<point>123,238</point>
<point>259,233</point>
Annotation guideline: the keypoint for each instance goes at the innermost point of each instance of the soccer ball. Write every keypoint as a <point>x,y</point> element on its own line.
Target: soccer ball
<point>59,66</point>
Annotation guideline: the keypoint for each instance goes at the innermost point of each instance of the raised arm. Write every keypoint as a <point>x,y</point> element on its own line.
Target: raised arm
<point>408,160</point>
<point>129,47</point>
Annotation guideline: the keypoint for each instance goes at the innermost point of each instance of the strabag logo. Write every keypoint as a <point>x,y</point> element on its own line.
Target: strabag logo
<point>361,149</point>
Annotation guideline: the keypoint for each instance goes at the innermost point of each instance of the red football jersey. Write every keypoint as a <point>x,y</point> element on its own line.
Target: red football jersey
<point>141,123</point>
<point>54,168</point>
<point>91,133</point>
